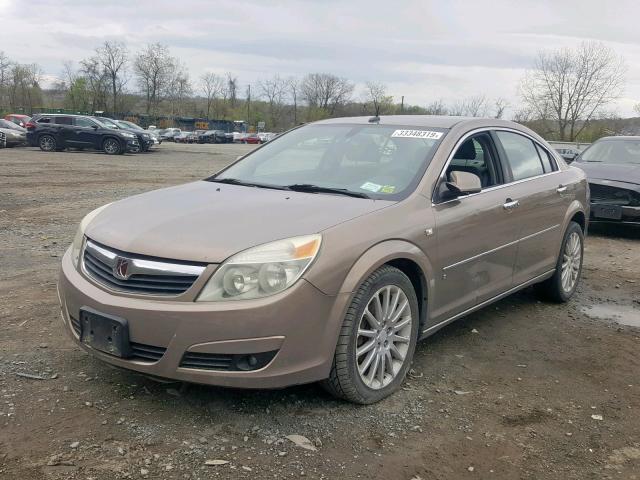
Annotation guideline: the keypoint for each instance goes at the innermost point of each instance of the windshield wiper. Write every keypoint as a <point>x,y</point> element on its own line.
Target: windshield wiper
<point>235,181</point>
<point>310,188</point>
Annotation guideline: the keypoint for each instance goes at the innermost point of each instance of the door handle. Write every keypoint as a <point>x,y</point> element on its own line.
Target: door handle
<point>561,189</point>
<point>511,204</point>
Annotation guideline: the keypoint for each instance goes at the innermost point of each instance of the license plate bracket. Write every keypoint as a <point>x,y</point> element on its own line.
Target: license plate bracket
<point>105,333</point>
<point>610,212</point>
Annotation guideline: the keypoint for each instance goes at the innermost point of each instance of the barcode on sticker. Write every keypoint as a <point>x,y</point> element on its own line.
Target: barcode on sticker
<point>417,134</point>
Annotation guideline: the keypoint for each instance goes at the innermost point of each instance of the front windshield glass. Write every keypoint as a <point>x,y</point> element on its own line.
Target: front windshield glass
<point>125,124</point>
<point>108,123</point>
<point>620,152</point>
<point>381,161</point>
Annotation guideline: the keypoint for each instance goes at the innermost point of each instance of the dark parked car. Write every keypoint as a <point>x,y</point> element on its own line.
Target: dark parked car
<point>612,165</point>
<point>14,134</point>
<point>213,136</point>
<point>169,134</point>
<point>56,132</point>
<point>569,154</point>
<point>144,138</point>
<point>155,137</point>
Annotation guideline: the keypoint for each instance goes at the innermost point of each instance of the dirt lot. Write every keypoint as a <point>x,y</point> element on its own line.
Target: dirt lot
<point>522,389</point>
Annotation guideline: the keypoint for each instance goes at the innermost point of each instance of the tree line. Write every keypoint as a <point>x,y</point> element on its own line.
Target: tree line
<point>562,95</point>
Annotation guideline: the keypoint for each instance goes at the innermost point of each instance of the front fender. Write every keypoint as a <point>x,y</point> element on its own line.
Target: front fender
<point>382,253</point>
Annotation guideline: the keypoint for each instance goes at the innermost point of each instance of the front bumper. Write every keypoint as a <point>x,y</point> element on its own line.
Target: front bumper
<point>132,145</point>
<point>628,214</point>
<point>301,324</point>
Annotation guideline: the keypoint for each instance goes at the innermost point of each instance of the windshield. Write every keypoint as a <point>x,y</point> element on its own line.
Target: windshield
<point>107,122</point>
<point>620,152</point>
<point>383,162</point>
<point>125,124</point>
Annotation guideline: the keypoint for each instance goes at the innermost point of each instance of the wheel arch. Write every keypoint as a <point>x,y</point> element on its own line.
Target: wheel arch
<point>404,256</point>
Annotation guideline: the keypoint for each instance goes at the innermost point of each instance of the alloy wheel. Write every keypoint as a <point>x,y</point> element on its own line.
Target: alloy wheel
<point>384,335</point>
<point>47,143</point>
<point>111,147</point>
<point>571,261</point>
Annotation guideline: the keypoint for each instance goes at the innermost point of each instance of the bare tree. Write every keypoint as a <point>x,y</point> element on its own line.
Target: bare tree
<point>273,90</point>
<point>5,69</point>
<point>499,107</point>
<point>97,82</point>
<point>24,86</point>
<point>637,108</point>
<point>326,91</point>
<point>113,58</point>
<point>437,107</point>
<point>376,94</point>
<point>294,90</point>
<point>213,87</point>
<point>153,67</point>
<point>232,89</point>
<point>475,106</point>
<point>570,87</point>
<point>179,88</point>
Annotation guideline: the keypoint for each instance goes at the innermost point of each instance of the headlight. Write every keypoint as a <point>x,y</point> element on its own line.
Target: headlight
<point>128,135</point>
<point>262,271</point>
<point>76,246</point>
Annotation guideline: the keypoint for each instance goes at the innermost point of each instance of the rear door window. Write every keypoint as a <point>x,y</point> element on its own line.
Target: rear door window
<point>63,120</point>
<point>84,122</point>
<point>547,162</point>
<point>522,155</point>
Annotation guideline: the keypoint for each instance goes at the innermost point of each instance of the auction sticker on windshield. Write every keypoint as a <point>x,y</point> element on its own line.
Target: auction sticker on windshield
<point>417,134</point>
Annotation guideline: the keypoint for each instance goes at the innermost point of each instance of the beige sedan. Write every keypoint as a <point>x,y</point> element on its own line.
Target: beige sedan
<point>325,254</point>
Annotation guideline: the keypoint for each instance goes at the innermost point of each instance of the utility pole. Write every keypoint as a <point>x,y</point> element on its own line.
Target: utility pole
<point>249,106</point>
<point>402,105</point>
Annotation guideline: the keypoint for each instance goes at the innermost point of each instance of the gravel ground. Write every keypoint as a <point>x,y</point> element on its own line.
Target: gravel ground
<point>521,389</point>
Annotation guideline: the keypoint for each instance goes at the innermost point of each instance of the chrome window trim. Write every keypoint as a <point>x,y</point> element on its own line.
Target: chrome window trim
<point>462,139</point>
<point>493,250</point>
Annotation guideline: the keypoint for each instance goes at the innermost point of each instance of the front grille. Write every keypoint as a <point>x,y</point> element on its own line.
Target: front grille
<point>3,140</point>
<point>141,274</point>
<point>226,362</point>
<point>148,353</point>
<point>605,194</point>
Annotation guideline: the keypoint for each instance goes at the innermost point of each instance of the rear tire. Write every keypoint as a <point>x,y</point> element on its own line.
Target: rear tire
<point>377,339</point>
<point>564,282</point>
<point>47,143</point>
<point>111,146</point>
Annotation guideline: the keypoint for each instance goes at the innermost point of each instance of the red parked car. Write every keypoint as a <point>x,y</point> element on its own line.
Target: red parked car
<point>253,139</point>
<point>18,119</point>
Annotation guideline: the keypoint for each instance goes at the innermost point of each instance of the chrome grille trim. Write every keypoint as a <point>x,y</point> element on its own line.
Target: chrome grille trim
<point>145,276</point>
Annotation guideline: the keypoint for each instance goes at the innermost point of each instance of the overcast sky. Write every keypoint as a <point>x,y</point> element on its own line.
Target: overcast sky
<point>423,50</point>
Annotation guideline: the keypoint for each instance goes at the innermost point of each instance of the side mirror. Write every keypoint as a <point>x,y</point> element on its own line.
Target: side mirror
<point>570,158</point>
<point>95,127</point>
<point>463,183</point>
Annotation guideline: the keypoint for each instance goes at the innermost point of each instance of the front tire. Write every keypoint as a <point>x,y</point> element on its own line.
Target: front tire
<point>47,143</point>
<point>564,282</point>
<point>111,146</point>
<point>377,340</point>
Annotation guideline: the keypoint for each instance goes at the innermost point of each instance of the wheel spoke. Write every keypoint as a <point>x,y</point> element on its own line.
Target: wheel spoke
<point>373,321</point>
<point>365,348</point>
<point>377,308</point>
<point>367,362</point>
<point>397,353</point>
<point>398,338</point>
<point>386,299</point>
<point>374,368</point>
<point>398,312</point>
<point>367,333</point>
<point>401,324</point>
<point>382,369</point>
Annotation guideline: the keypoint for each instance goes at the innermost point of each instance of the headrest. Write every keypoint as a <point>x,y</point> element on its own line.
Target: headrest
<point>466,151</point>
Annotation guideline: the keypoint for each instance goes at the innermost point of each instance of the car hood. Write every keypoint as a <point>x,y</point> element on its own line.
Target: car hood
<point>208,222</point>
<point>608,171</point>
<point>12,132</point>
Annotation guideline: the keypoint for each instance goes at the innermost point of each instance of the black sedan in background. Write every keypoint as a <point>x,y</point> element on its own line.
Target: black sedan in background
<point>612,165</point>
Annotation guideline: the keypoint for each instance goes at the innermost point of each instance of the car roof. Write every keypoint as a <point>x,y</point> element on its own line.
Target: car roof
<point>437,121</point>
<point>620,137</point>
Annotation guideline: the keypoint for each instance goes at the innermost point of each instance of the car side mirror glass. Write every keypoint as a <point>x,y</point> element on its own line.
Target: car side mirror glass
<point>463,183</point>
<point>95,127</point>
